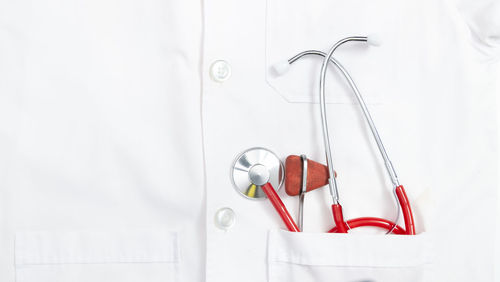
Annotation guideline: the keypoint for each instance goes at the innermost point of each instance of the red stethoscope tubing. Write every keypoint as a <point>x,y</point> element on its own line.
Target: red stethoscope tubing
<point>280,207</point>
<point>374,222</point>
<point>406,207</point>
<point>341,226</point>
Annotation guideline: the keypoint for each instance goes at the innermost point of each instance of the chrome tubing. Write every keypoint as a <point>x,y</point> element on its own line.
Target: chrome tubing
<point>328,58</point>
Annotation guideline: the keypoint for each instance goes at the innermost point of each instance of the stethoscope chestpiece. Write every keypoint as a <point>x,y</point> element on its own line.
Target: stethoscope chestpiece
<point>254,168</point>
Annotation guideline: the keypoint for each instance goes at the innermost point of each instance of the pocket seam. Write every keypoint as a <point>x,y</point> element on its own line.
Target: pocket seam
<point>95,247</point>
<point>278,251</point>
<point>355,266</point>
<point>289,95</point>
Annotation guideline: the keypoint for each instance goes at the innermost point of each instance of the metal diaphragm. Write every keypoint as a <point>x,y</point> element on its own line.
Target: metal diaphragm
<point>254,168</point>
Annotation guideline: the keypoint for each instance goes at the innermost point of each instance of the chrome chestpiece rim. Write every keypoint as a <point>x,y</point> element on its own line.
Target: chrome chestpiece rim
<point>255,167</point>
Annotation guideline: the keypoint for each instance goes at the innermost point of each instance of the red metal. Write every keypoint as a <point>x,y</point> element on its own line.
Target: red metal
<point>280,207</point>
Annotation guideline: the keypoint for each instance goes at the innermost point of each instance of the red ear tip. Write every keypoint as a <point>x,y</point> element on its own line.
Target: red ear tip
<point>317,175</point>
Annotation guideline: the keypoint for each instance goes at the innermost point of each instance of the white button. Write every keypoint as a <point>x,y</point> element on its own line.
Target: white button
<point>220,71</point>
<point>224,218</point>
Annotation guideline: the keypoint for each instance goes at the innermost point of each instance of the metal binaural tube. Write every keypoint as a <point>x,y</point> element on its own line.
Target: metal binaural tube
<point>328,58</point>
<point>332,183</point>
<point>302,192</point>
<point>366,113</point>
<point>388,164</point>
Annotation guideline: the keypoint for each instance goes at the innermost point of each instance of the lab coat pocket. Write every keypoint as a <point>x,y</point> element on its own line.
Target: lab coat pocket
<point>293,26</point>
<point>82,256</point>
<point>348,257</point>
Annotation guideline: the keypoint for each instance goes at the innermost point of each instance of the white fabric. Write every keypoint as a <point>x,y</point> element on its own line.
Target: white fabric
<point>482,19</point>
<point>356,257</point>
<point>131,255</point>
<point>114,138</point>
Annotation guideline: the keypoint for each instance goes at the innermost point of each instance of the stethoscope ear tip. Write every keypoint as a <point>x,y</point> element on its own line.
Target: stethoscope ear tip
<point>374,40</point>
<point>280,68</point>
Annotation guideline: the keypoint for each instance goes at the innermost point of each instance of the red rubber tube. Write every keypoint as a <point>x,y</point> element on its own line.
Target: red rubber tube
<point>338,218</point>
<point>372,221</point>
<point>280,207</point>
<point>375,221</point>
<point>407,213</point>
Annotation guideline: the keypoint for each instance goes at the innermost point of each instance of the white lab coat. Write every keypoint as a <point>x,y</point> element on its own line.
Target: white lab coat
<point>117,137</point>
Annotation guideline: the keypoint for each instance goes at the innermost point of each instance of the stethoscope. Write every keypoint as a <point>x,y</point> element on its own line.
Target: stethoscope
<point>257,171</point>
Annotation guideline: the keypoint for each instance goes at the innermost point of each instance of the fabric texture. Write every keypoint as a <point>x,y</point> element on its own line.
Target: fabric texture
<point>118,133</point>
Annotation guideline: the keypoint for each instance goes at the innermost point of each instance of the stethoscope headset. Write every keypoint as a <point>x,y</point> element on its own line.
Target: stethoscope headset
<point>257,171</point>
